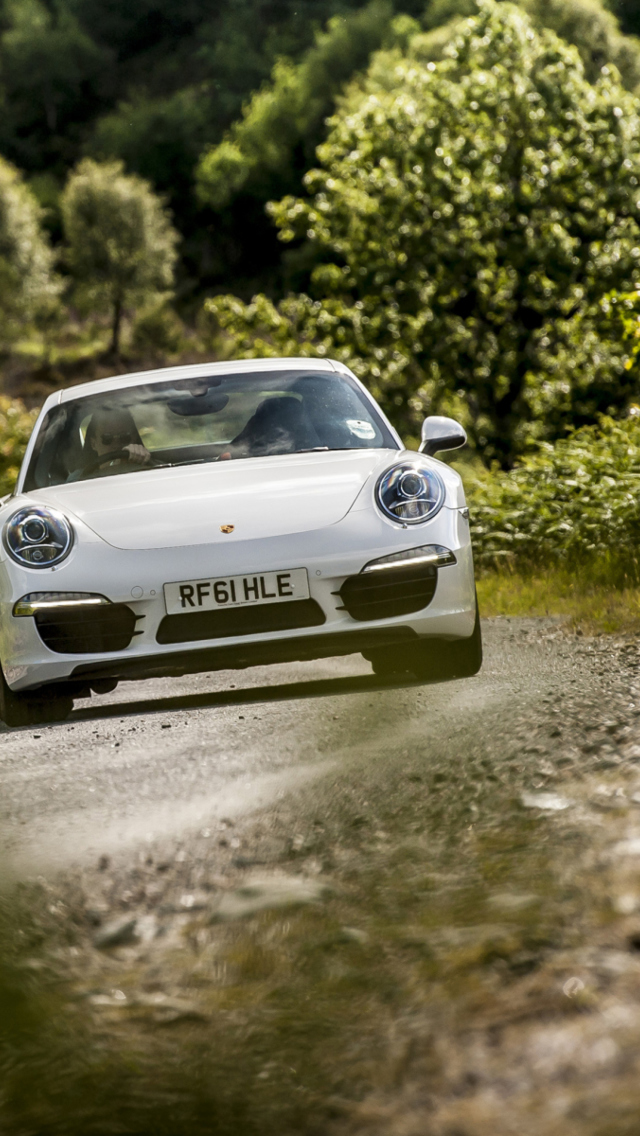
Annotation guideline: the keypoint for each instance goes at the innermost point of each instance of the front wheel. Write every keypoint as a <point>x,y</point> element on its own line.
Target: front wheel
<point>436,660</point>
<point>431,660</point>
<point>32,709</point>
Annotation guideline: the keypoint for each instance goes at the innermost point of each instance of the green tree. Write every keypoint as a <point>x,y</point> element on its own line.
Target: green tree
<point>28,284</point>
<point>159,138</point>
<point>470,212</point>
<point>585,23</point>
<point>282,123</point>
<point>120,244</point>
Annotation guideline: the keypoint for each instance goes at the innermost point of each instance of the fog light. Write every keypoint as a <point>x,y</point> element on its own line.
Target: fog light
<point>51,601</point>
<point>429,554</point>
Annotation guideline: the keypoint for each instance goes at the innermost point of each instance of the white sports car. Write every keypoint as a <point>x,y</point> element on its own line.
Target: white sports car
<point>223,515</point>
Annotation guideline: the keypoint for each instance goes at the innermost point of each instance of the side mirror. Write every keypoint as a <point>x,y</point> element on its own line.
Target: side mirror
<point>440,433</point>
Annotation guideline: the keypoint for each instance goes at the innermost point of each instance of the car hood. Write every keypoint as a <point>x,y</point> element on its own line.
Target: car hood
<point>187,505</point>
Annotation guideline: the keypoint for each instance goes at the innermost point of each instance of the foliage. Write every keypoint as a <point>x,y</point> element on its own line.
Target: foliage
<point>572,504</point>
<point>52,75</point>
<point>159,138</point>
<point>158,331</point>
<point>16,424</point>
<point>584,23</point>
<point>239,90</point>
<point>594,31</point>
<point>28,286</point>
<point>121,245</point>
<point>628,14</point>
<point>288,113</point>
<point>473,213</point>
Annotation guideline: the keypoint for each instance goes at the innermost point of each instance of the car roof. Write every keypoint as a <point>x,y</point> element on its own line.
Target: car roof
<point>194,370</point>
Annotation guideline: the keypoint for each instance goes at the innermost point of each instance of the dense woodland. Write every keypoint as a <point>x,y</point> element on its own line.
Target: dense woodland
<point>161,83</point>
<point>445,197</point>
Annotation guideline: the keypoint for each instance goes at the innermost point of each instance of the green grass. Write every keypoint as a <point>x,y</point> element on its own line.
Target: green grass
<point>588,604</point>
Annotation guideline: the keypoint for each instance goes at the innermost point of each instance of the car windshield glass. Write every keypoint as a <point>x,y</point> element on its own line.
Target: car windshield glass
<point>197,420</point>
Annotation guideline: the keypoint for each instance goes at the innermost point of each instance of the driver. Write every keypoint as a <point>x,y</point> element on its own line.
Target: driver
<point>113,435</point>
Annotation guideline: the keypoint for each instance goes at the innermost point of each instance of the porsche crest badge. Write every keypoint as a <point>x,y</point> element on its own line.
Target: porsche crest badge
<point>227,528</point>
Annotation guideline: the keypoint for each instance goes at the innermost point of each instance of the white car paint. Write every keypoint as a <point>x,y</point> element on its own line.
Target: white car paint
<point>136,533</point>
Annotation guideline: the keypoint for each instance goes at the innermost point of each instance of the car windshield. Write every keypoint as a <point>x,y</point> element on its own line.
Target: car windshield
<point>196,420</point>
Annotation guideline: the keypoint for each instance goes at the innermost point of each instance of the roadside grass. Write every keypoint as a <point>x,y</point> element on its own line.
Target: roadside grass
<point>589,604</point>
<point>298,1009</point>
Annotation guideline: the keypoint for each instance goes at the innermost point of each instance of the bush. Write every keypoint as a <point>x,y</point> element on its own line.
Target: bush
<point>158,330</point>
<point>16,424</point>
<point>575,504</point>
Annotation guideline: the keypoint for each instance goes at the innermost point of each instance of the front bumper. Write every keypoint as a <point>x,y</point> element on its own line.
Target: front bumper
<point>136,578</point>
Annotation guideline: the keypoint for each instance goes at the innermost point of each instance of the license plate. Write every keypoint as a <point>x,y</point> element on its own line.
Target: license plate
<point>236,591</point>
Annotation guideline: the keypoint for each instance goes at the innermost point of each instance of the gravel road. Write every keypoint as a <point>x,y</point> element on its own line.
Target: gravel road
<point>366,908</point>
<point>157,762</point>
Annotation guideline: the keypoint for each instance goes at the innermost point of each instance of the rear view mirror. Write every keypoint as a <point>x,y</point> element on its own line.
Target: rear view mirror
<point>439,433</point>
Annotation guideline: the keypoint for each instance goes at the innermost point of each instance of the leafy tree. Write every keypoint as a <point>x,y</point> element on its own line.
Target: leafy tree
<point>282,124</point>
<point>28,284</point>
<point>159,138</point>
<point>121,246</point>
<point>471,213</point>
<point>268,150</point>
<point>586,23</point>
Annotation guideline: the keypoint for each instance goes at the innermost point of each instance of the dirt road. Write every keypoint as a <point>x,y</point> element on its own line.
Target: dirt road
<point>155,762</point>
<point>388,909</point>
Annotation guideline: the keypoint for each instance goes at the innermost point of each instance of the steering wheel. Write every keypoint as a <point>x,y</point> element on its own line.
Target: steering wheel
<point>113,455</point>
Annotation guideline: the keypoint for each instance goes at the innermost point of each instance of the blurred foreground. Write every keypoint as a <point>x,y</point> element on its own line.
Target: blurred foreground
<point>439,935</point>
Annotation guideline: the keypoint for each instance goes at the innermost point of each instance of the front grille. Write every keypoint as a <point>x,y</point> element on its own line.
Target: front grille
<point>87,630</point>
<point>389,592</point>
<point>251,620</point>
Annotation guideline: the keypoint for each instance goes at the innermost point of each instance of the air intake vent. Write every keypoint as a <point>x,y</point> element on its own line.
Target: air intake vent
<point>87,630</point>
<point>389,592</point>
<point>251,620</point>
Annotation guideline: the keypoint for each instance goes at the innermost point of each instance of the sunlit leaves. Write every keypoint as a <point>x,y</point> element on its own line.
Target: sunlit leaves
<point>469,214</point>
<point>16,424</point>
<point>28,284</point>
<point>567,504</point>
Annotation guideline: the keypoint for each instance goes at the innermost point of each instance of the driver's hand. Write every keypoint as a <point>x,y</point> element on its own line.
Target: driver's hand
<point>138,453</point>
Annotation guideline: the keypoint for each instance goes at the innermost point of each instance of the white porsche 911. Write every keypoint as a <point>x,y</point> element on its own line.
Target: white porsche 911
<point>223,515</point>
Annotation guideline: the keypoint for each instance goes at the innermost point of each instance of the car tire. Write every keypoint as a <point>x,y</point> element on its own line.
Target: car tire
<point>437,660</point>
<point>31,709</point>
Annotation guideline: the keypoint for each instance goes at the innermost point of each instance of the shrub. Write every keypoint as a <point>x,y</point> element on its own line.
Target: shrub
<point>158,330</point>
<point>16,424</point>
<point>573,504</point>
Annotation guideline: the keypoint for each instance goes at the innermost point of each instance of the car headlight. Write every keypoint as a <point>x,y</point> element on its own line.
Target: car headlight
<point>410,493</point>
<point>38,537</point>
